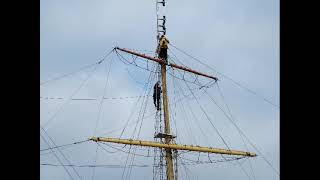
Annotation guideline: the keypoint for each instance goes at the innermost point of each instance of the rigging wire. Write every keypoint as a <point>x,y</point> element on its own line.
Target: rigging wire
<point>121,149</point>
<point>208,118</point>
<point>218,161</point>
<point>64,166</point>
<point>187,124</point>
<point>183,78</point>
<point>131,114</point>
<point>185,170</point>
<point>125,166</point>
<point>79,70</point>
<point>190,109</point>
<point>68,100</point>
<point>110,98</point>
<point>132,77</point>
<point>127,62</point>
<point>231,116</point>
<point>142,117</point>
<point>95,162</point>
<point>59,150</point>
<point>192,162</point>
<point>91,99</point>
<point>126,125</point>
<point>225,144</point>
<point>153,78</point>
<point>214,127</point>
<point>175,106</point>
<point>240,134</point>
<point>78,142</point>
<point>219,135</point>
<point>93,166</point>
<point>108,150</point>
<point>143,105</point>
<point>237,127</point>
<point>212,82</point>
<point>229,149</point>
<point>101,101</point>
<point>124,172</point>
<point>68,74</point>
<point>237,161</point>
<point>146,102</point>
<point>235,82</point>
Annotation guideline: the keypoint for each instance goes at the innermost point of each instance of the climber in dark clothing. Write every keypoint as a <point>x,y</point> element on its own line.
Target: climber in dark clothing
<point>156,95</point>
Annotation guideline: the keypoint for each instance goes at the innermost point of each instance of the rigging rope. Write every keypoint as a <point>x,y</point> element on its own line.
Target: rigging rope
<point>241,132</point>
<point>59,150</point>
<point>121,58</point>
<point>193,115</point>
<point>235,82</point>
<point>231,116</point>
<point>191,162</point>
<point>64,166</point>
<point>90,99</point>
<point>68,100</point>
<point>101,100</point>
<point>208,118</point>
<point>79,70</point>
<point>78,142</point>
<point>95,161</point>
<point>230,119</point>
<point>141,114</point>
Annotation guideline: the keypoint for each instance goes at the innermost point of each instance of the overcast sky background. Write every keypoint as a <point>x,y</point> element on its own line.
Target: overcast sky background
<point>239,38</point>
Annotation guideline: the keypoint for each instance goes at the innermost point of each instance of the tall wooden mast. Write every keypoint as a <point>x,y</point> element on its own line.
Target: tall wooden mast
<point>167,140</point>
<point>170,173</point>
<point>168,145</point>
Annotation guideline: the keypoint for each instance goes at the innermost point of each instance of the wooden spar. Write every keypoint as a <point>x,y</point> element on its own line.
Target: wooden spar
<point>192,71</point>
<point>170,64</point>
<point>173,146</point>
<point>141,55</point>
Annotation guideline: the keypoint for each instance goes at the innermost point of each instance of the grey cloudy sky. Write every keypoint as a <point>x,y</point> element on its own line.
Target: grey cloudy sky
<point>239,38</point>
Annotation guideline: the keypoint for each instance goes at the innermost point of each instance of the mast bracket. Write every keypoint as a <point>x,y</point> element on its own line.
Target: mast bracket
<point>163,135</point>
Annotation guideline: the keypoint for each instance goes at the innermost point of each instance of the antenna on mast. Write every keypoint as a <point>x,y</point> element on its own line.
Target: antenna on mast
<point>161,20</point>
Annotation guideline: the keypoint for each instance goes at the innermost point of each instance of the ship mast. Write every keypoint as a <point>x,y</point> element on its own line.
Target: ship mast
<point>167,144</point>
<point>168,136</point>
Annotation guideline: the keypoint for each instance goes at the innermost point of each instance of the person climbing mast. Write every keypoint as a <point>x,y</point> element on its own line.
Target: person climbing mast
<point>156,95</point>
<point>163,47</point>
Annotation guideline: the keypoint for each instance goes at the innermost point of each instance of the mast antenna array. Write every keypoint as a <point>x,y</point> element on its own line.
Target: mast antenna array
<point>161,20</point>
